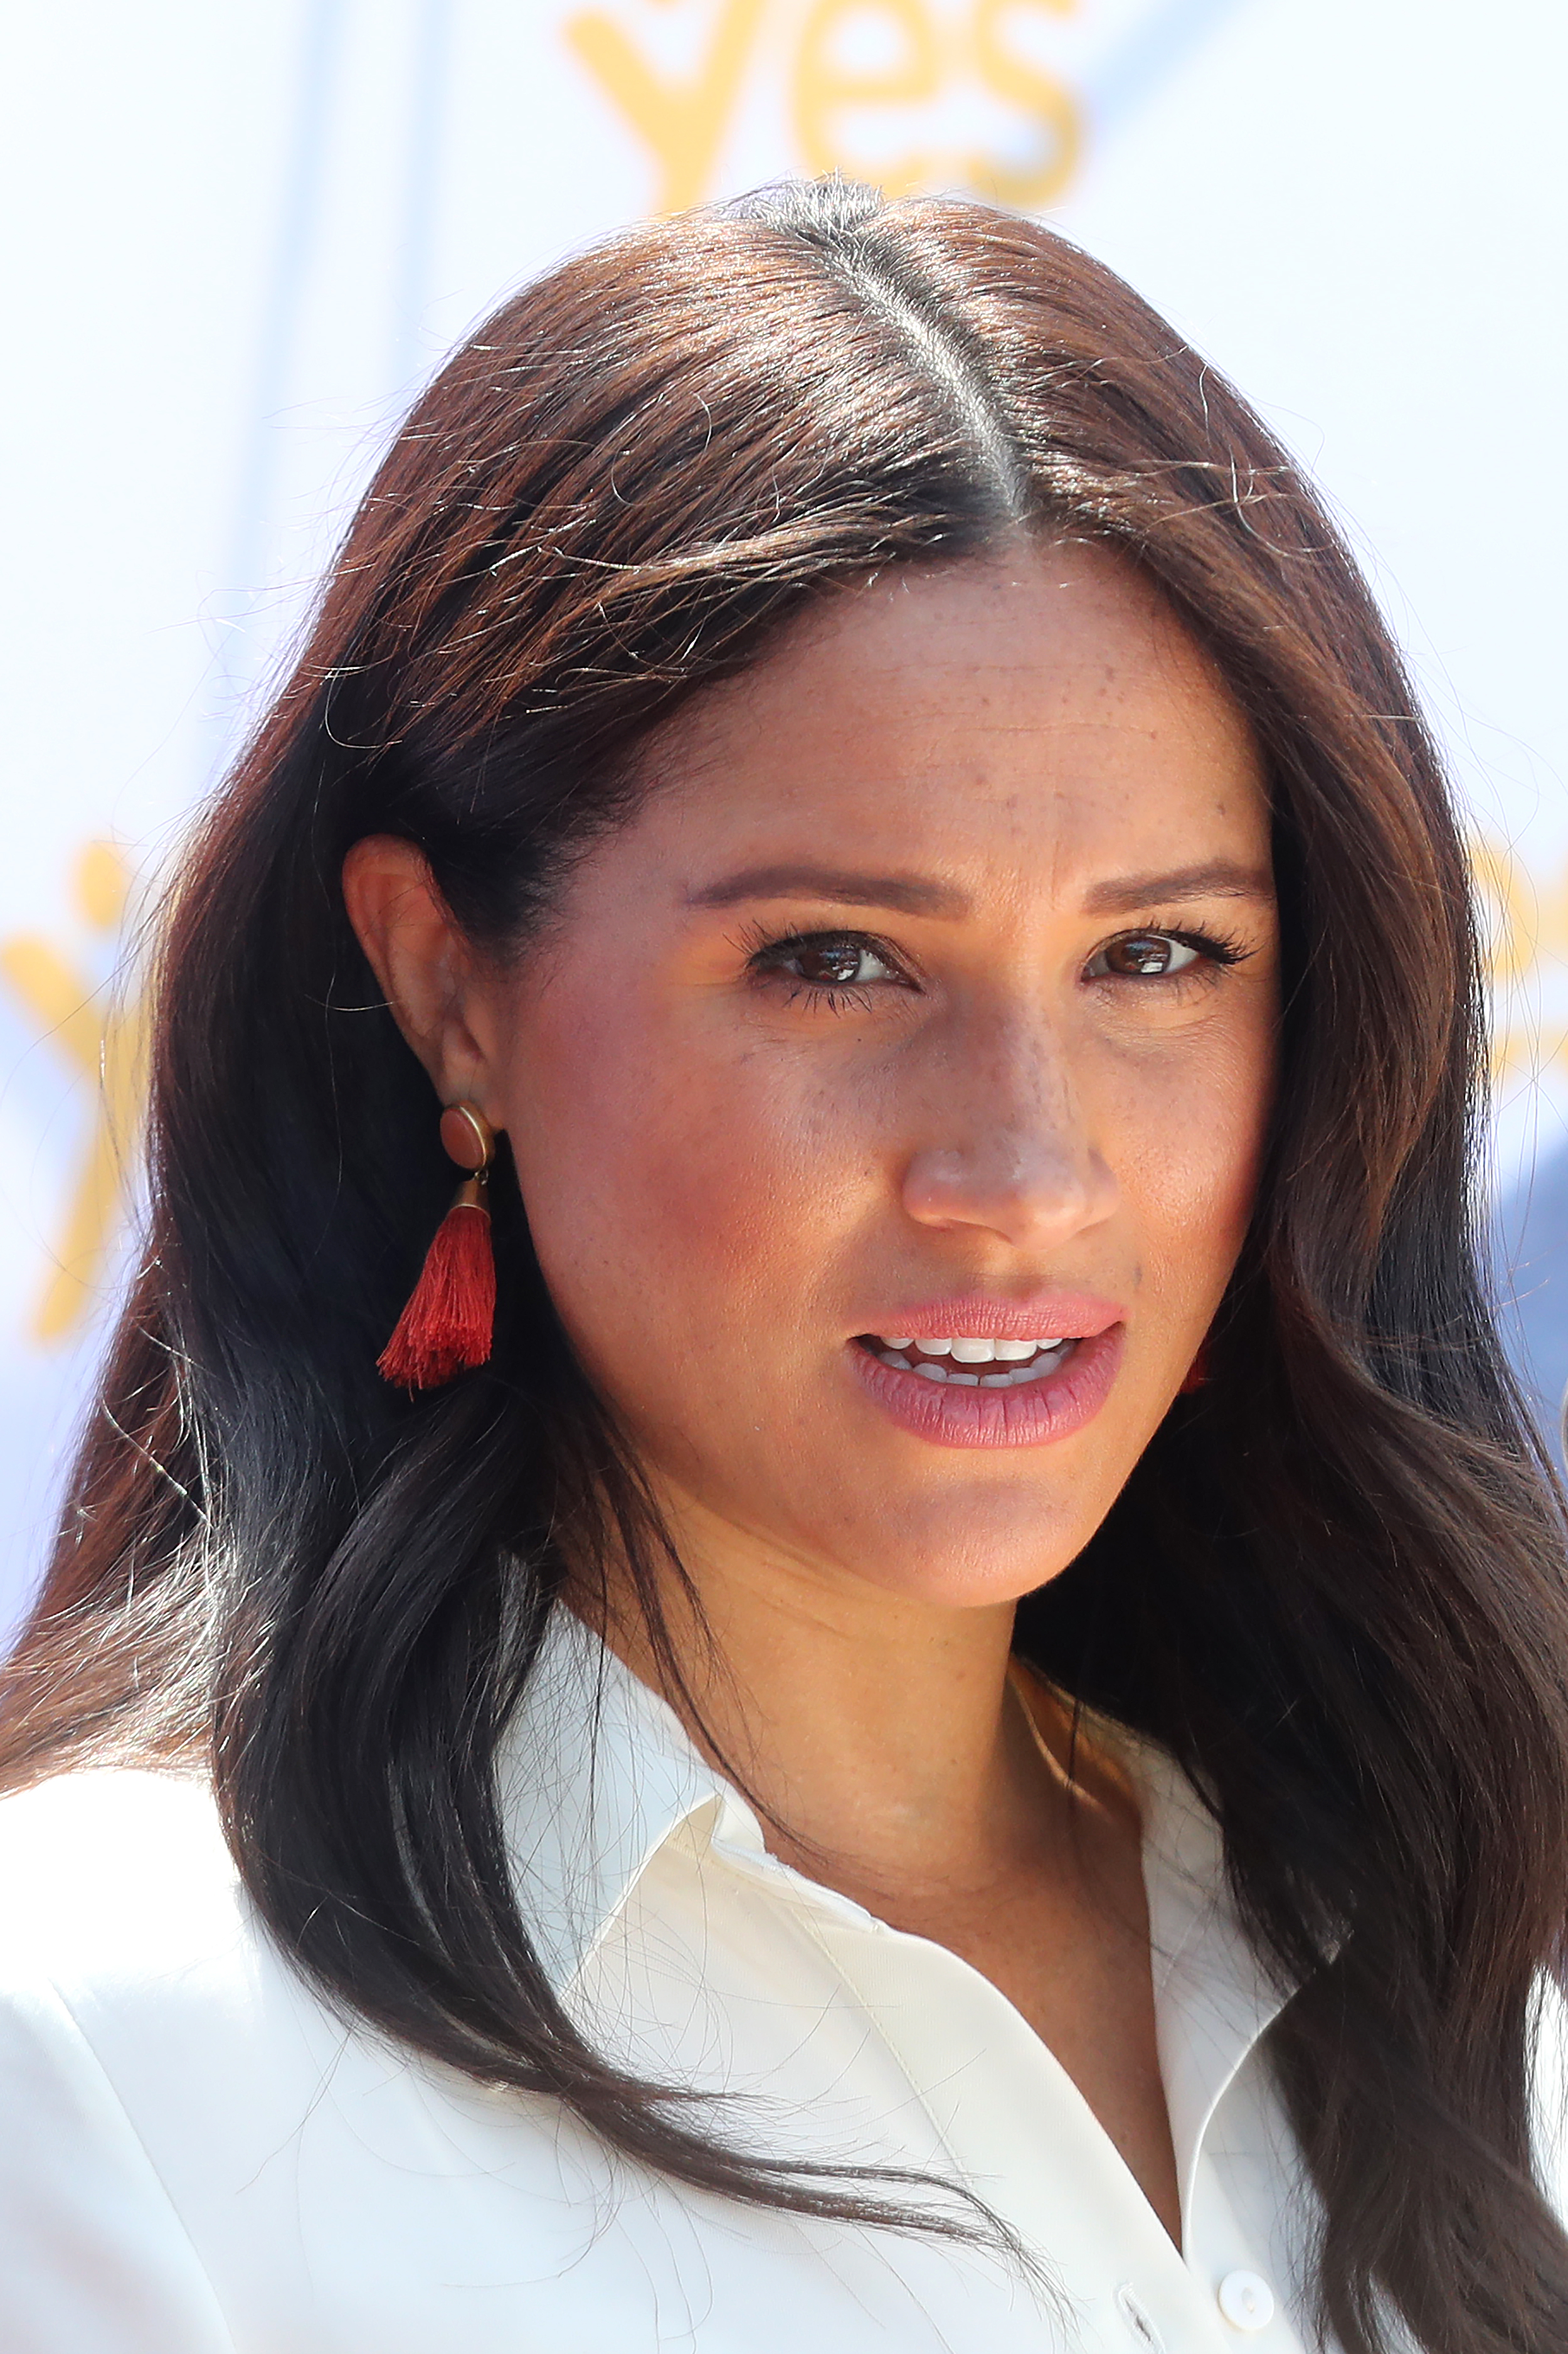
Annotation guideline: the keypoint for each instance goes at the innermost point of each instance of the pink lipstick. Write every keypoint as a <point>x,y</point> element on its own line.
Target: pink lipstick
<point>993,1373</point>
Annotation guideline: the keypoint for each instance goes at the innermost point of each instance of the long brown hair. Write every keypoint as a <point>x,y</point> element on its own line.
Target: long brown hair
<point>1336,1579</point>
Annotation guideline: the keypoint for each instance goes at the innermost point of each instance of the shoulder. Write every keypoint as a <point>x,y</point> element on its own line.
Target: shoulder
<point>197,2139</point>
<point>120,1920</point>
<point>117,1891</point>
<point>122,1907</point>
<point>131,1961</point>
<point>99,1868</point>
<point>129,1946</point>
<point>192,2132</point>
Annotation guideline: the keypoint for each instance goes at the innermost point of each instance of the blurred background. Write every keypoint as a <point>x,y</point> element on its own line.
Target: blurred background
<point>242,237</point>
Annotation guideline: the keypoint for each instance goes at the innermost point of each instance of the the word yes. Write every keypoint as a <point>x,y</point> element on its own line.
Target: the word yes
<point>683,122</point>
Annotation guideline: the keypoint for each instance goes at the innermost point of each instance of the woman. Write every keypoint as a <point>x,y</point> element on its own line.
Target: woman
<point>953,1733</point>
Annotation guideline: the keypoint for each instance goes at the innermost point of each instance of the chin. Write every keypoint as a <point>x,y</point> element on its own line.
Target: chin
<point>986,1552</point>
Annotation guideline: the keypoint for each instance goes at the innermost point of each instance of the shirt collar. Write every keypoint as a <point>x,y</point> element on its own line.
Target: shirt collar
<point>1213,1996</point>
<point>596,1774</point>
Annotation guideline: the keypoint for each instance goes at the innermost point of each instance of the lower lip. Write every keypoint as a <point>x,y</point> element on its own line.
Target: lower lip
<point>1030,1415</point>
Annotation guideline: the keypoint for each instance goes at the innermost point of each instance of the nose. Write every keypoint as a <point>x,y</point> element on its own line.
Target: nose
<point>1011,1153</point>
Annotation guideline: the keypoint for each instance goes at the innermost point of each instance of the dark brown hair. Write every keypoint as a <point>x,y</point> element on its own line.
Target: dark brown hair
<point>1336,1577</point>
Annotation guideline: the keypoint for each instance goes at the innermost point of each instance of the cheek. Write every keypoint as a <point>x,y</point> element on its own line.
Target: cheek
<point>676,1193</point>
<point>1191,1149</point>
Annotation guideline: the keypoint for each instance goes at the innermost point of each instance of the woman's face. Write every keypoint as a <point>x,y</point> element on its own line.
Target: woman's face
<point>887,1098</point>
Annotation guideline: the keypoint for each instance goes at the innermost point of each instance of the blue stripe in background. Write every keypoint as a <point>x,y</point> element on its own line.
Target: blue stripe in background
<point>429,68</point>
<point>320,57</point>
<point>1149,56</point>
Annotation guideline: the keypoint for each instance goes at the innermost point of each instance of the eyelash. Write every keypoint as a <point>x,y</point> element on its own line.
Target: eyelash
<point>1218,951</point>
<point>766,950</point>
<point>764,953</point>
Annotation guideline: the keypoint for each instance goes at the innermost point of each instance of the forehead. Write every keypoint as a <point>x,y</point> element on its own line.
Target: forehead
<point>1031,714</point>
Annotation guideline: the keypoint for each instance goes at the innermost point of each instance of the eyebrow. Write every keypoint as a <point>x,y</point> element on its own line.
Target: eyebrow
<point>1218,878</point>
<point>909,894</point>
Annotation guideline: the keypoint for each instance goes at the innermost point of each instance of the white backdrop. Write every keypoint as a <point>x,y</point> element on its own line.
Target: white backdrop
<point>241,237</point>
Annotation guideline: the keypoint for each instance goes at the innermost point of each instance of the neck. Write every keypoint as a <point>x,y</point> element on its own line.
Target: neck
<point>890,1757</point>
<point>875,1731</point>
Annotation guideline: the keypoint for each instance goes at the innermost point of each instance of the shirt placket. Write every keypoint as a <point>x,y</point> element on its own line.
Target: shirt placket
<point>1019,2134</point>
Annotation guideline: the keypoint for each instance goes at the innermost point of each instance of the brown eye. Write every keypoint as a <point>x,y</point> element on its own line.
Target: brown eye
<point>832,962</point>
<point>1142,956</point>
<point>835,962</point>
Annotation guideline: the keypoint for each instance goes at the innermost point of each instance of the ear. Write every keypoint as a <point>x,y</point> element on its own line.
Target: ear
<point>433,983</point>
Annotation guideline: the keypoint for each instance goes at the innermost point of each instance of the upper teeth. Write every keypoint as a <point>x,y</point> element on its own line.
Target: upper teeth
<point>973,1352</point>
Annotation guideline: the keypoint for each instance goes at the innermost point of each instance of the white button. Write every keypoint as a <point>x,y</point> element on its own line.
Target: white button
<point>1246,2300</point>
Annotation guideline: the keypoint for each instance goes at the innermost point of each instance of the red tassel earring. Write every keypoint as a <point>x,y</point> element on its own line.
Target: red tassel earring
<point>450,1322</point>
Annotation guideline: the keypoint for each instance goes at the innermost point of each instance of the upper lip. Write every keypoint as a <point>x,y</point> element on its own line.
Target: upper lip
<point>1049,1316</point>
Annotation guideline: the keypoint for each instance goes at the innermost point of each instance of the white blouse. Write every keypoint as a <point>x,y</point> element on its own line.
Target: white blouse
<point>197,2155</point>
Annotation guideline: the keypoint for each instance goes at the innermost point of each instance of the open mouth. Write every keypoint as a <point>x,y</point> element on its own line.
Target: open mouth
<point>973,1364</point>
<point>1018,1390</point>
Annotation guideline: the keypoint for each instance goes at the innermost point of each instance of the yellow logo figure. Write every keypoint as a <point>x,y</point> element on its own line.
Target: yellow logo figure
<point>1524,921</point>
<point>102,1041</point>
